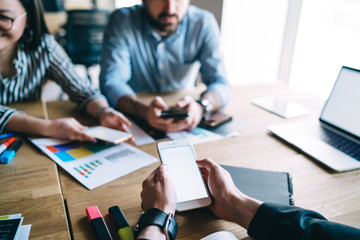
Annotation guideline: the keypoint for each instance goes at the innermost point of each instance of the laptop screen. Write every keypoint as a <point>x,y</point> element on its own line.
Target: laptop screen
<point>342,108</point>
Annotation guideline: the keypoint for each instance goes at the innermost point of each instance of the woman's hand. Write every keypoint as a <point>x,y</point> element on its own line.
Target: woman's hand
<point>67,128</point>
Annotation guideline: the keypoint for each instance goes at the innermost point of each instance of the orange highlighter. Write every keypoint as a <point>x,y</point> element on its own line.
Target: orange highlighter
<point>123,229</point>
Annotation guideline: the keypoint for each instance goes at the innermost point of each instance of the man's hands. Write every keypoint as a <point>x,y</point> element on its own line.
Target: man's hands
<point>159,191</point>
<point>153,116</point>
<point>172,125</point>
<point>132,105</point>
<point>193,108</point>
<point>221,186</point>
<point>107,116</point>
<point>229,203</point>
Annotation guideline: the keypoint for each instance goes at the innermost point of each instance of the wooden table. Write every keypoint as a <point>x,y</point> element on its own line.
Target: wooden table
<point>335,195</point>
<point>29,185</point>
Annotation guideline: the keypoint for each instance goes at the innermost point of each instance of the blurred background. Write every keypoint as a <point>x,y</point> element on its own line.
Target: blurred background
<point>300,42</point>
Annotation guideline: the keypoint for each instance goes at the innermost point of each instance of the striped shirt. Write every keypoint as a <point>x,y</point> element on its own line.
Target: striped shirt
<point>48,61</point>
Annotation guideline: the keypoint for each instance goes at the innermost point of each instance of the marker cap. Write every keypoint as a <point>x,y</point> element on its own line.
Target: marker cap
<point>7,156</point>
<point>98,223</point>
<point>93,212</point>
<point>118,217</point>
<point>8,142</point>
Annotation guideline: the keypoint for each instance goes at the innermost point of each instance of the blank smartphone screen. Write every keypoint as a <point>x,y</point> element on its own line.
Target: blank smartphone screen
<point>184,173</point>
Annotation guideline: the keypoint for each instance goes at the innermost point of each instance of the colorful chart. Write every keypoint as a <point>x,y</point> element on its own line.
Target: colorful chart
<point>86,169</point>
<point>197,132</point>
<point>75,150</point>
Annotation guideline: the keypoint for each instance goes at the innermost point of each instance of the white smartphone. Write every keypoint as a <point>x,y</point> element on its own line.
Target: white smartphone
<point>190,186</point>
<point>108,134</point>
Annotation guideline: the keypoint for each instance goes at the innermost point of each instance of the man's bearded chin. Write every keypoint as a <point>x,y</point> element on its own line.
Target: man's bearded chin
<point>166,28</point>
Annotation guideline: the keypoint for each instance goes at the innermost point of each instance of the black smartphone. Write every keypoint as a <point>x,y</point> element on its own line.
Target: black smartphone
<point>216,119</point>
<point>174,112</point>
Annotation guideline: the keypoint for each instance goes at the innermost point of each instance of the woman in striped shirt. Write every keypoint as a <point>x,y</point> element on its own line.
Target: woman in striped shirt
<point>29,56</point>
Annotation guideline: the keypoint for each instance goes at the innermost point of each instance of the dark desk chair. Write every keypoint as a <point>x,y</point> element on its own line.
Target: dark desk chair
<point>84,36</point>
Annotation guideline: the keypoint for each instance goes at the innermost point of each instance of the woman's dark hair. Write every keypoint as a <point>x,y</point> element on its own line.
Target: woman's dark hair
<point>36,26</point>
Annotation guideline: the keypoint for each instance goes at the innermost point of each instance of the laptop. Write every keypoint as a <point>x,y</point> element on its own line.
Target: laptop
<point>334,139</point>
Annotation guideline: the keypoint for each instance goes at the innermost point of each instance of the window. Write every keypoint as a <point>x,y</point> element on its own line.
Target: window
<point>328,38</point>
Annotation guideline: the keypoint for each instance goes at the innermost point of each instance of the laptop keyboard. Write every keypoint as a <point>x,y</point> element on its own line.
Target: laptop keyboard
<point>339,142</point>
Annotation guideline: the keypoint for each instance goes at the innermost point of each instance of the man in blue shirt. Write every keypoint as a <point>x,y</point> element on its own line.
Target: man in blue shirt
<point>157,47</point>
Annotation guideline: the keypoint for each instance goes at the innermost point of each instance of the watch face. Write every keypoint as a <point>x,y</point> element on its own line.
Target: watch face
<point>207,105</point>
<point>205,102</point>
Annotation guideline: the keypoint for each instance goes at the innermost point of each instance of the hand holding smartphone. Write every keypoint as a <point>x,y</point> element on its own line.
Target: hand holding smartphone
<point>190,186</point>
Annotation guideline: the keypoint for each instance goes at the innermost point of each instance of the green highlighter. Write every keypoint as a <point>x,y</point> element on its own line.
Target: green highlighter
<point>122,226</point>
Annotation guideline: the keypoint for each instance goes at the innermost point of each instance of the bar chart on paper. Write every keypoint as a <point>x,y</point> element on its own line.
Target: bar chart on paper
<point>75,150</point>
<point>94,164</point>
<point>86,169</point>
<point>72,151</point>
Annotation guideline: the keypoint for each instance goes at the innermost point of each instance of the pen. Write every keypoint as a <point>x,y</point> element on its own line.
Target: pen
<point>6,135</point>
<point>6,144</point>
<point>8,155</point>
<point>123,229</point>
<point>98,224</point>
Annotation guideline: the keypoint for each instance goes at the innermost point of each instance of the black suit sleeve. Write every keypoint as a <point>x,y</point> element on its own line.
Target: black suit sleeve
<point>275,221</point>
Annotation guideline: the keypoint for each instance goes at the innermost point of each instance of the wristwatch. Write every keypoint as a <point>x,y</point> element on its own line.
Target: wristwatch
<point>207,107</point>
<point>155,216</point>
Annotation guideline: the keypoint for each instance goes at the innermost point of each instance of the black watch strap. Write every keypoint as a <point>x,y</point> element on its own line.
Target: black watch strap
<point>155,216</point>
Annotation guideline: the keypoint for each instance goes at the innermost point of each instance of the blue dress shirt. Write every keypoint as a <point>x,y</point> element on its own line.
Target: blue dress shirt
<point>137,59</point>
